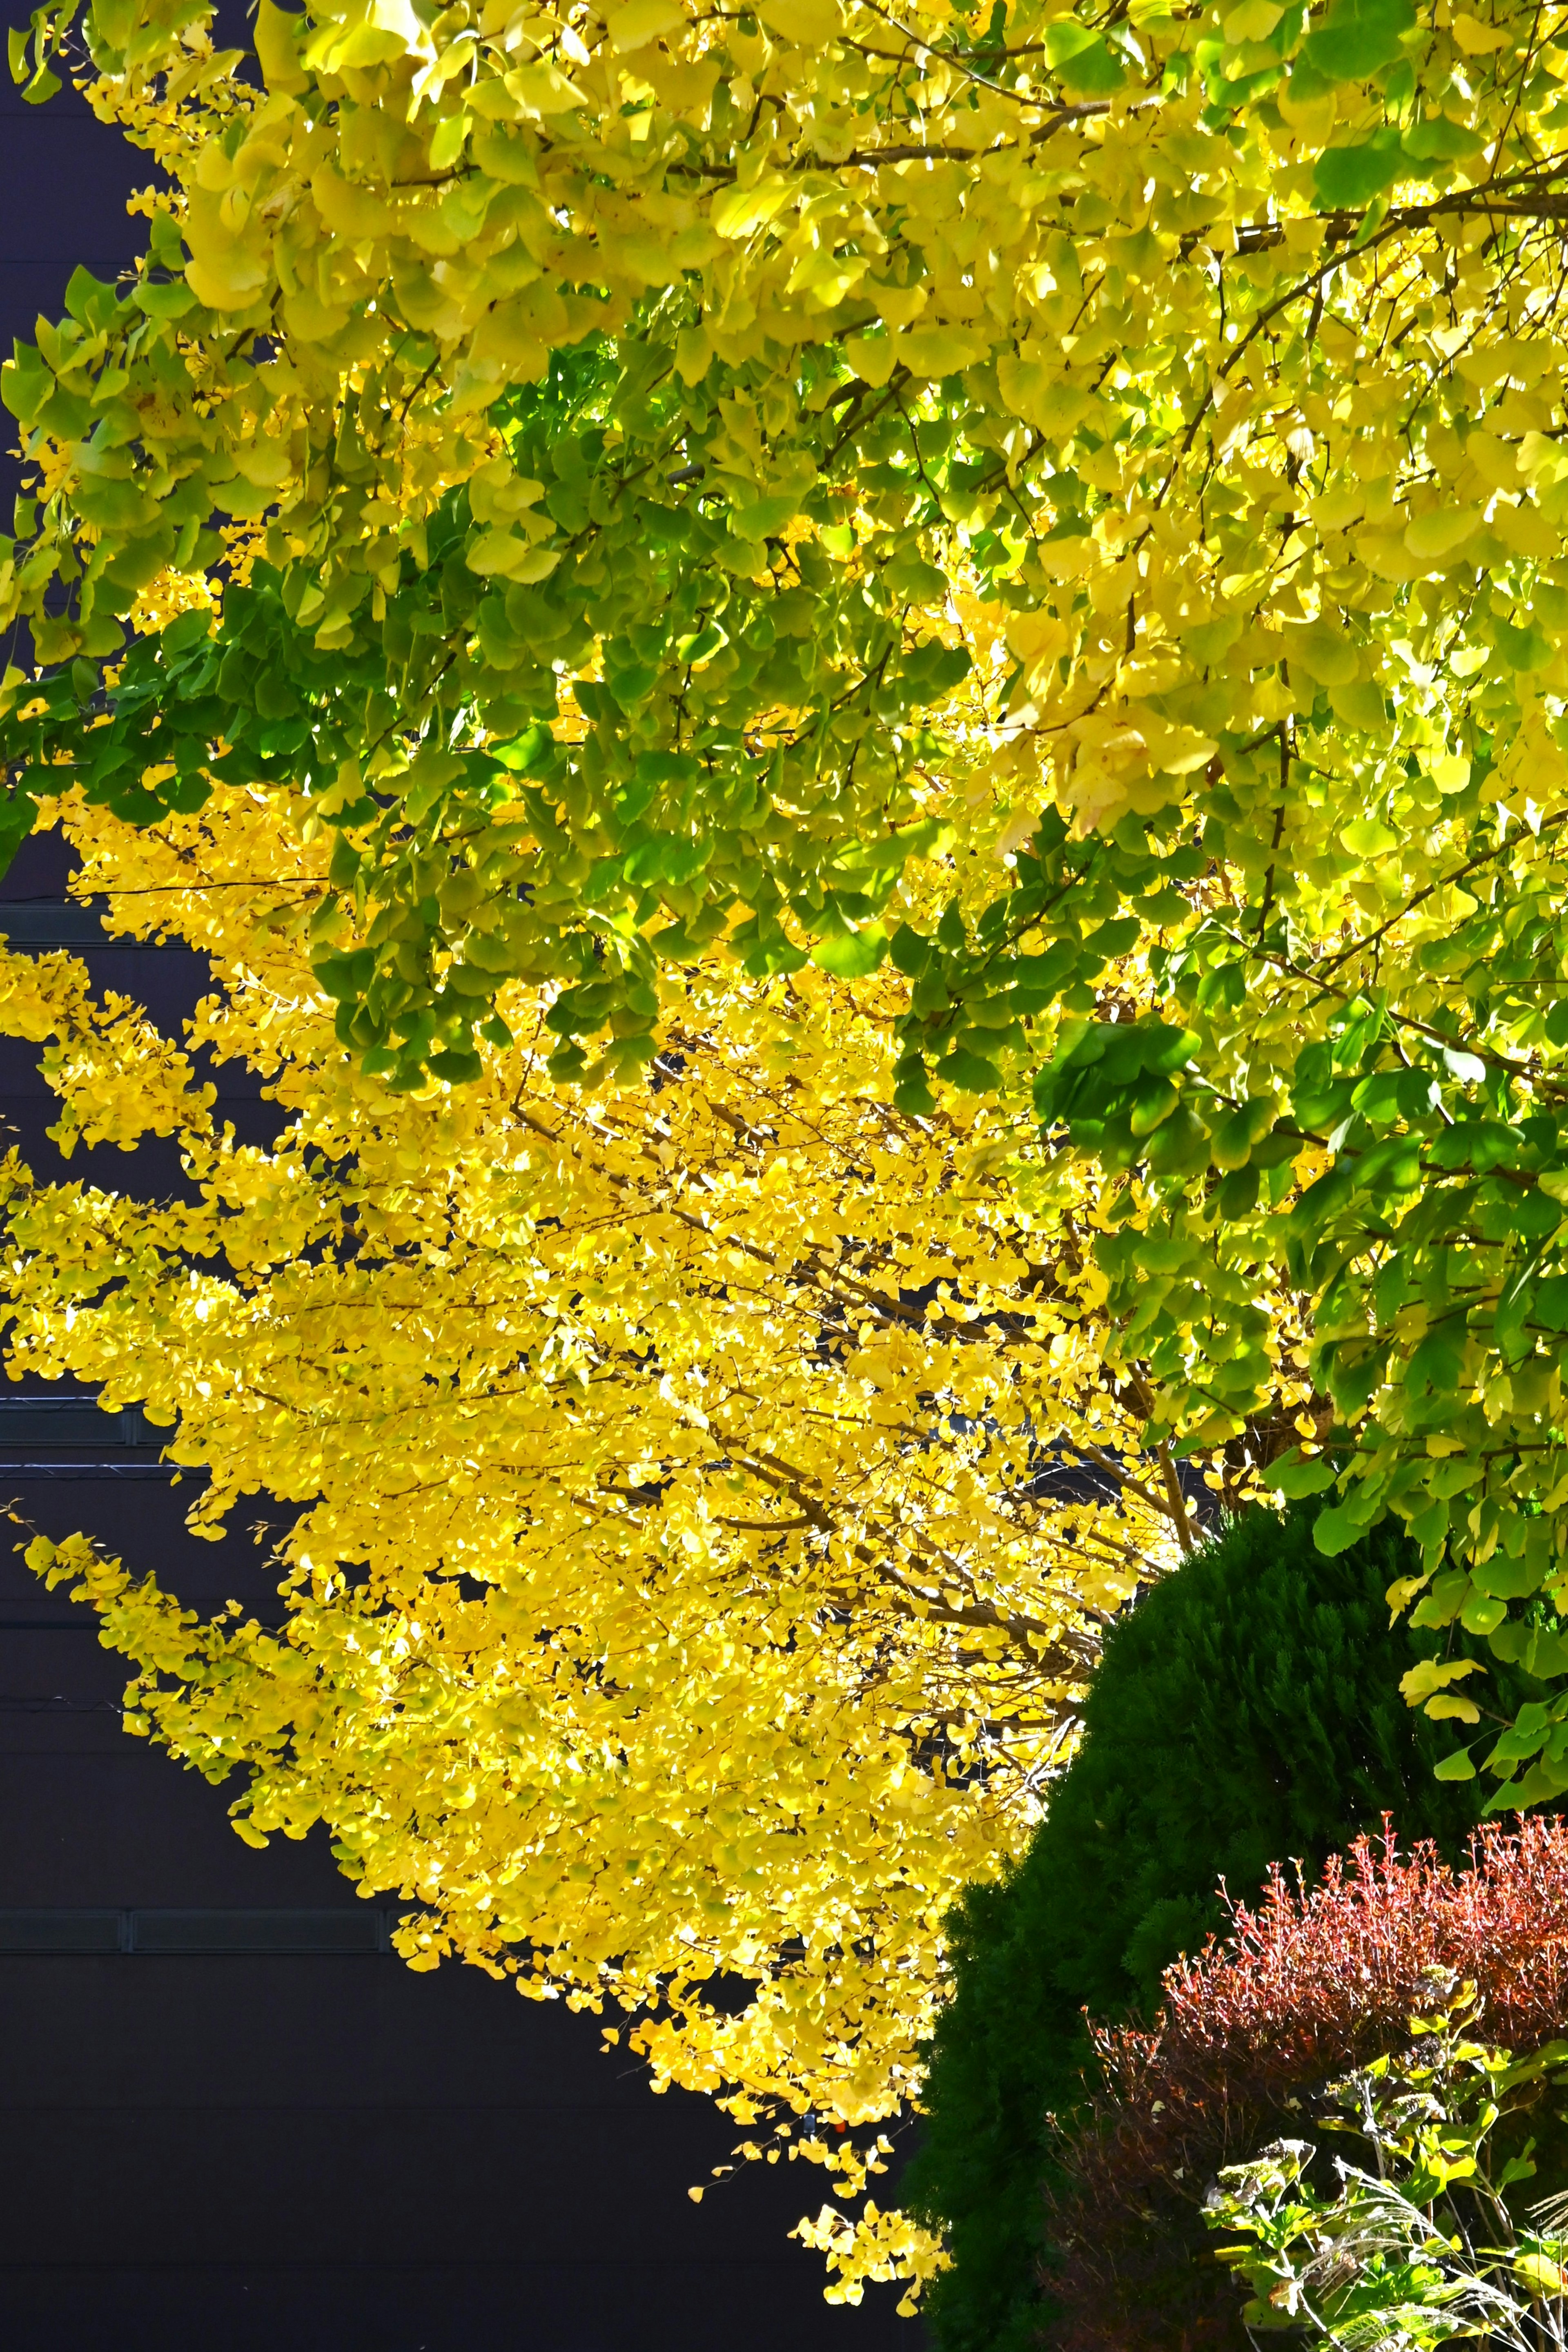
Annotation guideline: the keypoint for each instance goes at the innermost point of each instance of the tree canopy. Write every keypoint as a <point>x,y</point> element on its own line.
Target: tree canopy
<point>1063,508</point>
<point>705,1502</point>
<point>1050,521</point>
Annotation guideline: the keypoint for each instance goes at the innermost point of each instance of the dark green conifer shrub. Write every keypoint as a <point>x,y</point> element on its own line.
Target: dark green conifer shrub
<point>1247,1711</point>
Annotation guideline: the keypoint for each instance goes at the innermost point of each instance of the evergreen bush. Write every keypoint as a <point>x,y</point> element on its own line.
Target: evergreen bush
<point>1245,1711</point>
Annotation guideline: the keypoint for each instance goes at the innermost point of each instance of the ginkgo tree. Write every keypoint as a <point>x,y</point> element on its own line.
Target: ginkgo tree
<point>707,1499</point>
<point>703,467</point>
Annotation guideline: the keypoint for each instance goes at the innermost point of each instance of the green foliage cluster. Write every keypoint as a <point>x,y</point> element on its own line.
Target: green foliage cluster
<point>427,729</point>
<point>1247,1711</point>
<point>1429,2246</point>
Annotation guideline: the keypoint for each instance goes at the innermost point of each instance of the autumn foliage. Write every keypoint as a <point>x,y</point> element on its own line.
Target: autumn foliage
<point>1312,1981</point>
<point>710,1495</point>
<point>885,658</point>
<point>1061,510</point>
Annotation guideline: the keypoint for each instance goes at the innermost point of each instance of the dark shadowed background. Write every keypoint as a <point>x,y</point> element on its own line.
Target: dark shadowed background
<point>228,2119</point>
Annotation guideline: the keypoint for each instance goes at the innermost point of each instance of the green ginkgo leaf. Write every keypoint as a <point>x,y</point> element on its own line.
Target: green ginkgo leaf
<point>1357,38</point>
<point>851,955</point>
<point>1350,177</point>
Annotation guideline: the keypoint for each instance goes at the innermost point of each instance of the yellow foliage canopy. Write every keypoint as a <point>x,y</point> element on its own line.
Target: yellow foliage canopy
<point>710,1495</point>
<point>729,484</point>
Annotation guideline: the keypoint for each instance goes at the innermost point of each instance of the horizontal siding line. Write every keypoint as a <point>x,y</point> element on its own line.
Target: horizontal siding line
<point>201,1932</point>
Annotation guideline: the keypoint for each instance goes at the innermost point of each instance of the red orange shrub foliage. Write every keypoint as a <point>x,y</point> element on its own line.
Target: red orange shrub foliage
<point>1312,1981</point>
